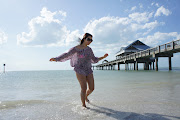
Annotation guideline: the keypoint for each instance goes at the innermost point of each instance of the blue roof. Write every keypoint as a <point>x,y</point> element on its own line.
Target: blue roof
<point>138,47</point>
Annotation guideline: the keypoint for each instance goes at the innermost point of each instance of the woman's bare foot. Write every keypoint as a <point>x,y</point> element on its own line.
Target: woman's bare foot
<point>87,100</point>
<point>84,106</point>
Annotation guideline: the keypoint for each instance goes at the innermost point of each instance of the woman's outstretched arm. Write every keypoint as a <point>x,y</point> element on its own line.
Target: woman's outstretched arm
<point>103,57</point>
<point>65,56</point>
<point>96,59</point>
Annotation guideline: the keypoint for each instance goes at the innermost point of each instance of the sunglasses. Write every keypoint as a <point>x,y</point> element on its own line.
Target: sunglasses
<point>88,39</point>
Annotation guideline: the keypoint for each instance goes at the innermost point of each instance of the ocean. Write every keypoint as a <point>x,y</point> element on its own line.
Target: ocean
<point>118,95</point>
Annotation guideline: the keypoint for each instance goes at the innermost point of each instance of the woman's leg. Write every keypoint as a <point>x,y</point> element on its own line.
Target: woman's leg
<point>90,81</point>
<point>82,80</point>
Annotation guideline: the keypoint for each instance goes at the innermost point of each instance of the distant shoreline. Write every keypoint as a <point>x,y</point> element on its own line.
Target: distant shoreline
<point>141,69</point>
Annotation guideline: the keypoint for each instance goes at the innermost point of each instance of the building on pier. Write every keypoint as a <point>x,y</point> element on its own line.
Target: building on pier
<point>136,46</point>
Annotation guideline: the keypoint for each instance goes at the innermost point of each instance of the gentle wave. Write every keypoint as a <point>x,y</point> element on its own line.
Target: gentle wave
<point>18,103</point>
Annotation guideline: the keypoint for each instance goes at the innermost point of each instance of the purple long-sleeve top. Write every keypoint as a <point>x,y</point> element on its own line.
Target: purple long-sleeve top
<point>79,57</point>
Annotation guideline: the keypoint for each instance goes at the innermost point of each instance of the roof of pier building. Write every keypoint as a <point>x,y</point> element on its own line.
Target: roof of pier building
<point>133,47</point>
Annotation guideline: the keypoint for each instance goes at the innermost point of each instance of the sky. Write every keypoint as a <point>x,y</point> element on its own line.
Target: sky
<point>33,31</point>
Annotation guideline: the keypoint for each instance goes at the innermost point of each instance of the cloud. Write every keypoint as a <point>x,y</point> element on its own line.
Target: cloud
<point>112,33</point>
<point>157,4</point>
<point>3,37</point>
<point>152,3</point>
<point>106,27</point>
<point>73,37</point>
<point>46,30</point>
<point>109,33</point>
<point>140,5</point>
<point>141,17</point>
<point>160,38</point>
<point>133,8</point>
<point>149,26</point>
<point>162,11</point>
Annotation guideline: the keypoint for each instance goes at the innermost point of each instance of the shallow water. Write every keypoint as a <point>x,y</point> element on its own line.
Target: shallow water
<point>55,95</point>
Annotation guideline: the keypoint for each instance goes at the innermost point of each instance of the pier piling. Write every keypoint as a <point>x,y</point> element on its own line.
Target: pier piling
<point>156,62</point>
<point>170,66</point>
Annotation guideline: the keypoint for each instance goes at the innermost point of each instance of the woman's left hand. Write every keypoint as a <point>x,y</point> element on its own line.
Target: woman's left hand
<point>105,55</point>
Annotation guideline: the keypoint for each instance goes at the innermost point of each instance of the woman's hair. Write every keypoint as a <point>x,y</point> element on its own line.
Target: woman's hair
<point>84,37</point>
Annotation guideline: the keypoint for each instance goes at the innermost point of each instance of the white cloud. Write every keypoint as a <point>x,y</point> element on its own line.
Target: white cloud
<point>157,4</point>
<point>149,26</point>
<point>62,13</point>
<point>152,3</point>
<point>141,17</point>
<point>46,30</point>
<point>160,38</point>
<point>110,34</point>
<point>162,11</point>
<point>140,5</point>
<point>144,29</point>
<point>3,37</point>
<point>108,28</point>
<point>133,8</point>
<point>73,38</point>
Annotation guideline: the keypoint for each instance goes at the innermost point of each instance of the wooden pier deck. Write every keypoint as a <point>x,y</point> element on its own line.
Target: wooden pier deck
<point>148,57</point>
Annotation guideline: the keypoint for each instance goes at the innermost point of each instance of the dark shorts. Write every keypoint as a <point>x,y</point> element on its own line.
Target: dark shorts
<point>82,71</point>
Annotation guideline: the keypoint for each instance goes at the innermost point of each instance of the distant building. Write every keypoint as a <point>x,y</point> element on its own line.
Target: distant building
<point>136,46</point>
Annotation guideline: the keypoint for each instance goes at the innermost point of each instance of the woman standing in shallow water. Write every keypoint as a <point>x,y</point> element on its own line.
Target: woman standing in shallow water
<point>81,57</point>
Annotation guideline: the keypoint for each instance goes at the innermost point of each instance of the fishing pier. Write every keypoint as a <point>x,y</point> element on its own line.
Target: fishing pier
<point>148,57</point>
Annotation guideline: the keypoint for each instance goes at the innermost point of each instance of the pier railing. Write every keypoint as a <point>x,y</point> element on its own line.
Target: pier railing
<point>173,45</point>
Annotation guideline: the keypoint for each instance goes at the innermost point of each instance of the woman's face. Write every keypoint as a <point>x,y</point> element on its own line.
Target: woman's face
<point>88,40</point>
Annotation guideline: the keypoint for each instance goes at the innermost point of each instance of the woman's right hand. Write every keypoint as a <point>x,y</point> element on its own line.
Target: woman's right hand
<point>52,59</point>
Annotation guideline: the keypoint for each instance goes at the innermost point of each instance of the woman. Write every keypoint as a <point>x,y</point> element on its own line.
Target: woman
<point>81,57</point>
